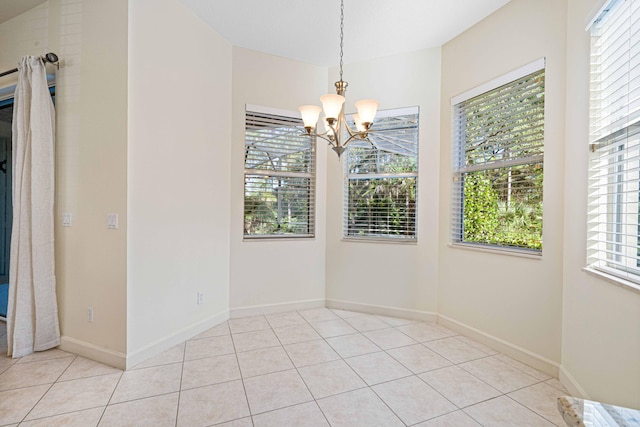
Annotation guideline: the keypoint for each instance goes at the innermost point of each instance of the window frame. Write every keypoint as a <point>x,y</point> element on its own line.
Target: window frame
<point>349,177</point>
<point>458,167</point>
<point>613,230</point>
<point>311,175</point>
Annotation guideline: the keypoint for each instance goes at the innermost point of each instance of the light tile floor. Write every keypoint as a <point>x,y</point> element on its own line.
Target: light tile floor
<point>310,368</point>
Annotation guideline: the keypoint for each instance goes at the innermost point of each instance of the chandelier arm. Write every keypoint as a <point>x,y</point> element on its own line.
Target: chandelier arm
<point>360,135</point>
<point>329,140</point>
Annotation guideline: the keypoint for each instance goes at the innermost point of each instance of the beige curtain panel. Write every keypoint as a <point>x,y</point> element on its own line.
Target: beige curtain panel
<point>32,315</point>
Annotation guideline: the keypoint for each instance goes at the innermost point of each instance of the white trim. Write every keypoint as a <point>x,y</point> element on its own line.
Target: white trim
<point>570,383</point>
<point>270,110</point>
<point>494,249</point>
<point>93,352</point>
<point>391,112</point>
<point>511,76</point>
<point>255,310</point>
<point>136,357</point>
<point>382,310</point>
<point>518,353</point>
<point>596,12</point>
<point>612,278</point>
<point>381,239</point>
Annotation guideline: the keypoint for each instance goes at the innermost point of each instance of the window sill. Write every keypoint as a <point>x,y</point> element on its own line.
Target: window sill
<point>277,238</point>
<point>380,240</point>
<point>618,281</point>
<point>509,252</point>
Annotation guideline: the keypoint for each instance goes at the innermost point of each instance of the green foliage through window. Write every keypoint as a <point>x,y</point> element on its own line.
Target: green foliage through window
<point>498,166</point>
<point>381,180</point>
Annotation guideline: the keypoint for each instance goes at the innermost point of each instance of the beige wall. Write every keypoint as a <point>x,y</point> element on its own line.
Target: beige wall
<point>399,275</point>
<point>90,36</point>
<point>273,272</point>
<point>515,299</point>
<point>176,180</point>
<point>601,321</point>
<point>178,187</point>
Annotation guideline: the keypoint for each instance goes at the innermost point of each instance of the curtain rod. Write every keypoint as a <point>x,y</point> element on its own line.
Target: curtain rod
<point>49,57</point>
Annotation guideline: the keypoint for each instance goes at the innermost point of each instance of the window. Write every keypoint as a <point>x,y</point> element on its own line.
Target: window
<point>614,170</point>
<point>498,141</point>
<point>381,179</point>
<point>279,175</point>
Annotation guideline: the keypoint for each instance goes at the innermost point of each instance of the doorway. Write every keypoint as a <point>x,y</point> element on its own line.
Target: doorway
<point>6,205</point>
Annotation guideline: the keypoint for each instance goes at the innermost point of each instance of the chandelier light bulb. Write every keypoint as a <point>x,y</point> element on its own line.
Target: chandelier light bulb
<point>310,114</point>
<point>358,122</point>
<point>332,105</point>
<point>367,109</point>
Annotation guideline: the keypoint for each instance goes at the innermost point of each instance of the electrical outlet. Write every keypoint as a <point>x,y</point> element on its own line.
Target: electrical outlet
<point>200,298</point>
<point>66,219</point>
<point>90,314</point>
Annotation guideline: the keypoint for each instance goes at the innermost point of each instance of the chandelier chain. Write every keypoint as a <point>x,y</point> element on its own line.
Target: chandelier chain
<point>341,34</point>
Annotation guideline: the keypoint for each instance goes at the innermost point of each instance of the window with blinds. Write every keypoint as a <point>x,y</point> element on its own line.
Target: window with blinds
<point>381,178</point>
<point>279,177</point>
<point>614,172</point>
<point>498,142</point>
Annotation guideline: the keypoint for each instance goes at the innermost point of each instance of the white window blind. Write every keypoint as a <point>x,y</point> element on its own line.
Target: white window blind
<point>279,177</point>
<point>381,179</point>
<point>614,173</point>
<point>498,145</point>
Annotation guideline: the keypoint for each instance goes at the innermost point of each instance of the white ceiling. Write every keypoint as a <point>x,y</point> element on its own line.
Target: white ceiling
<point>309,30</point>
<point>11,8</point>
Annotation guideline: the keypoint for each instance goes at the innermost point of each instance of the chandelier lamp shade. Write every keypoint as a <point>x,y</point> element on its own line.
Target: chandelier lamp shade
<point>336,129</point>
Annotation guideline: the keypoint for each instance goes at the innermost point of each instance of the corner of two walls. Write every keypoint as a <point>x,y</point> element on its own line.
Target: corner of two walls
<point>274,274</point>
<point>178,177</point>
<point>90,37</point>
<point>385,277</point>
<point>517,301</point>
<point>382,277</point>
<point>601,320</point>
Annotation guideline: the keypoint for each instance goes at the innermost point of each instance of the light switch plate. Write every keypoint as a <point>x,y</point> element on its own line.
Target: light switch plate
<point>112,221</point>
<point>66,219</point>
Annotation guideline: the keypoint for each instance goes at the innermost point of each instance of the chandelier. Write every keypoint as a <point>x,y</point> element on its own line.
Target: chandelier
<point>337,131</point>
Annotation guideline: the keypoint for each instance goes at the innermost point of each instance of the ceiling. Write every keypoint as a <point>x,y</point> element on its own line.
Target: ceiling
<point>11,8</point>
<point>309,30</point>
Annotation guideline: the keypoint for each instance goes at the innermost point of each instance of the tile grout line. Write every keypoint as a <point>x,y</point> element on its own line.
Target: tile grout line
<point>110,397</point>
<point>301,377</point>
<point>244,388</point>
<point>48,390</point>
<point>528,409</point>
<point>361,333</point>
<point>184,356</point>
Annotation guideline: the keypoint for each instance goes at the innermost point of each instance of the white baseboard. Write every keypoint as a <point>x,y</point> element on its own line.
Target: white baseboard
<point>93,352</point>
<point>518,353</point>
<point>255,310</point>
<point>571,384</point>
<point>425,316</point>
<point>138,356</point>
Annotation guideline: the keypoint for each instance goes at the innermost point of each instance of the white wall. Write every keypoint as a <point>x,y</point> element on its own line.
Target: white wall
<point>402,276</point>
<point>178,186</point>
<point>90,37</point>
<point>601,321</point>
<point>270,273</point>
<point>515,299</point>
